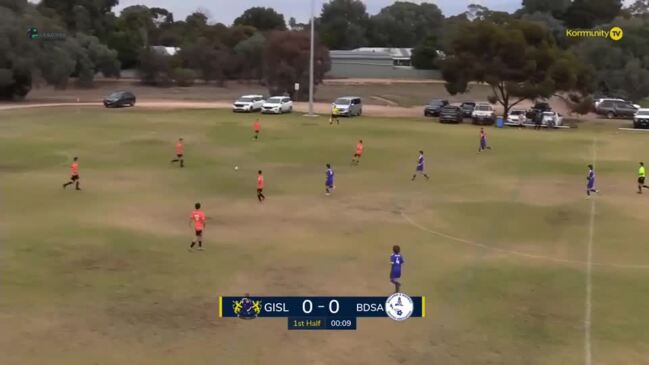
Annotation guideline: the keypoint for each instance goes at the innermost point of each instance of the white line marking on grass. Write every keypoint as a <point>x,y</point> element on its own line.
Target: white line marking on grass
<point>526,255</point>
<point>634,130</point>
<point>588,354</point>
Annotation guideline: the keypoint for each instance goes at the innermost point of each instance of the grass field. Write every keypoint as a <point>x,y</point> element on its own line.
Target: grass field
<point>497,242</point>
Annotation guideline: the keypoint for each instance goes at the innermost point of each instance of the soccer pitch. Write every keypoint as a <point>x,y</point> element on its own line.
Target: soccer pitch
<point>517,266</point>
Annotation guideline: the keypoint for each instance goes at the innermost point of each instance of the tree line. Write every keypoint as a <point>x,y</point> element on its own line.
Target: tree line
<point>522,55</point>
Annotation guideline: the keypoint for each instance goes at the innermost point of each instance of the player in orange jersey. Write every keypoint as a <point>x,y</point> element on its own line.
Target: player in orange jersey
<point>359,152</point>
<point>260,187</point>
<point>197,218</point>
<point>257,129</point>
<point>74,174</point>
<point>180,153</point>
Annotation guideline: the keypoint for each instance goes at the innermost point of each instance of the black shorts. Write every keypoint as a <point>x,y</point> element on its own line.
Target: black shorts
<point>641,180</point>
<point>199,233</point>
<point>179,156</point>
<point>357,155</point>
<point>74,177</point>
<point>259,191</point>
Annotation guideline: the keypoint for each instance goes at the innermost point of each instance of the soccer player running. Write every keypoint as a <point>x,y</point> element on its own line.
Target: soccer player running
<point>641,178</point>
<point>180,152</point>
<point>198,219</point>
<point>74,174</point>
<point>420,167</point>
<point>395,272</point>
<point>260,187</point>
<point>590,178</point>
<point>329,183</point>
<point>483,141</point>
<point>257,129</point>
<point>359,153</point>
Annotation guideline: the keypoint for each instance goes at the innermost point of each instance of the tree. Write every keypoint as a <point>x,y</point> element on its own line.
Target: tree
<point>263,19</point>
<point>343,24</point>
<point>424,56</point>
<point>554,7</point>
<point>639,7</point>
<point>207,59</point>
<point>518,61</point>
<point>23,60</point>
<point>621,68</point>
<point>552,24</point>
<point>131,35</point>
<point>154,68</point>
<point>251,54</point>
<point>404,24</point>
<point>286,62</point>
<point>480,12</point>
<point>92,17</point>
<point>589,13</point>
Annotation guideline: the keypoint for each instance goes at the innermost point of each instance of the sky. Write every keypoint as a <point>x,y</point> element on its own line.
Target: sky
<point>225,11</point>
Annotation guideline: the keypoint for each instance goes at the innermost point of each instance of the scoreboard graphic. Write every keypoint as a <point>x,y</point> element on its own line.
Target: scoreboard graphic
<point>323,313</point>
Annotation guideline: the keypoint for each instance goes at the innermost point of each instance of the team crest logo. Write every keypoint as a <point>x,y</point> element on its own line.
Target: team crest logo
<point>246,308</point>
<point>399,306</point>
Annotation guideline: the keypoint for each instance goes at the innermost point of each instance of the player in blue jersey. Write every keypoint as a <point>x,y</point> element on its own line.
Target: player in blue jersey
<point>483,141</point>
<point>420,167</point>
<point>590,178</point>
<point>395,272</point>
<point>329,183</point>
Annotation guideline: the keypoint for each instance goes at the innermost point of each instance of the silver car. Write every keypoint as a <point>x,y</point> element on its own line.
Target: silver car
<point>347,106</point>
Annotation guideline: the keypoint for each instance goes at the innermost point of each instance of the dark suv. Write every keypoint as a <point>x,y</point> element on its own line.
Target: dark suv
<point>119,98</point>
<point>467,108</point>
<point>434,107</point>
<point>616,109</point>
<point>451,114</point>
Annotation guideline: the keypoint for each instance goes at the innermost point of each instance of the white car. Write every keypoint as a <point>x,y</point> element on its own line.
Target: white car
<point>641,118</point>
<point>552,119</point>
<point>483,114</point>
<point>517,116</point>
<point>248,103</point>
<point>599,101</point>
<point>277,105</point>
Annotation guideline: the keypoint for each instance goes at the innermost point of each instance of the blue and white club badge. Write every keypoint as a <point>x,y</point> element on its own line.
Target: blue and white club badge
<point>399,306</point>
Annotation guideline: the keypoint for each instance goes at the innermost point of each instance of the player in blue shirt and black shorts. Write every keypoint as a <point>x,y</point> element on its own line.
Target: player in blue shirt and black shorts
<point>329,183</point>
<point>395,272</point>
<point>420,166</point>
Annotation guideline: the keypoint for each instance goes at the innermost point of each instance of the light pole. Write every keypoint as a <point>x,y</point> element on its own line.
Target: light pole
<point>312,60</point>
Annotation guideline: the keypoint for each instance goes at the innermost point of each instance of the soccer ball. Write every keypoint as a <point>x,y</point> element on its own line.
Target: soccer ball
<point>236,168</point>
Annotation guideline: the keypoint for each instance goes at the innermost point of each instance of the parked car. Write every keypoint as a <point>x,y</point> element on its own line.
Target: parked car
<point>616,109</point>
<point>434,107</point>
<point>641,119</point>
<point>600,100</point>
<point>348,106</point>
<point>277,105</point>
<point>119,99</point>
<point>248,103</point>
<point>451,114</point>
<point>483,114</point>
<point>467,108</point>
<point>517,116</point>
<point>552,119</point>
